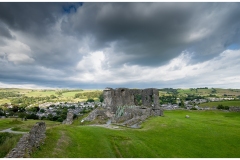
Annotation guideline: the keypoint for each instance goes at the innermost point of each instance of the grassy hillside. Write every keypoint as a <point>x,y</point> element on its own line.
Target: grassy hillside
<point>224,103</point>
<point>205,134</point>
<point>24,126</point>
<point>206,92</point>
<point>9,140</point>
<point>64,96</point>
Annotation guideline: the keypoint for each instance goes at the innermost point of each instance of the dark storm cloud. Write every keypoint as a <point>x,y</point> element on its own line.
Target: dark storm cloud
<point>159,30</point>
<point>5,31</point>
<point>34,18</point>
<point>101,44</point>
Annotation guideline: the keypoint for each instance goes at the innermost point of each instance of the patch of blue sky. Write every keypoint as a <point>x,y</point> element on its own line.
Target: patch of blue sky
<point>234,46</point>
<point>71,8</point>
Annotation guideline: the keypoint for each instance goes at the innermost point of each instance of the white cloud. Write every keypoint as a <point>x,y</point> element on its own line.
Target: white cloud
<point>28,86</point>
<point>222,69</point>
<point>17,52</point>
<point>91,67</point>
<point>19,58</point>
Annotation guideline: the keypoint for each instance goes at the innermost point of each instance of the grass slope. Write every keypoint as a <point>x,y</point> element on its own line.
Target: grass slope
<point>205,134</point>
<point>24,126</point>
<point>225,103</point>
<point>9,140</point>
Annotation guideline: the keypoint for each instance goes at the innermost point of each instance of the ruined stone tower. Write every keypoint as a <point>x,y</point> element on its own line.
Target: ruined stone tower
<point>124,96</point>
<point>128,107</point>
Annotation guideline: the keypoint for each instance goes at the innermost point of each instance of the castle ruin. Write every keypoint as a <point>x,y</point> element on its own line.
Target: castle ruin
<point>128,106</point>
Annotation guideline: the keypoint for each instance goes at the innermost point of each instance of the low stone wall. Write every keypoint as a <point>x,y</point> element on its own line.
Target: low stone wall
<point>234,109</point>
<point>29,142</point>
<point>69,119</point>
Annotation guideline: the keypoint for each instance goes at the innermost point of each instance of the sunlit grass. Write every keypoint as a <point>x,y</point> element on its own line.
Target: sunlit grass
<point>206,134</point>
<point>224,103</point>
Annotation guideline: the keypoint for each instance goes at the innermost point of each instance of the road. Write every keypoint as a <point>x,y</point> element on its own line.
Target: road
<point>10,131</point>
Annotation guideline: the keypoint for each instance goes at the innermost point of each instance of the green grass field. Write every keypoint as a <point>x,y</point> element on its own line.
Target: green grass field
<point>224,103</point>
<point>3,101</point>
<point>9,140</point>
<point>206,134</point>
<point>39,93</point>
<point>24,126</point>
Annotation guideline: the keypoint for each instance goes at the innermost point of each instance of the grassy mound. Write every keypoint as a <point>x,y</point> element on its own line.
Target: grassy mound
<point>205,134</point>
<point>8,142</point>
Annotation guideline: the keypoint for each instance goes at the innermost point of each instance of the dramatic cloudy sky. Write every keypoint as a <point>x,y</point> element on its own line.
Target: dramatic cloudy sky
<point>135,45</point>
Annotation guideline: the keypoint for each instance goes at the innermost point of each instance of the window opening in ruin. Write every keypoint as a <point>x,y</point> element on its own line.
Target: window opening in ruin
<point>123,92</point>
<point>152,99</point>
<point>138,99</point>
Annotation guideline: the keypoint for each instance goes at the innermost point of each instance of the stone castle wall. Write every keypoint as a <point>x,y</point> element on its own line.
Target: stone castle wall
<point>234,109</point>
<point>125,96</point>
<point>122,106</point>
<point>29,142</point>
<point>69,119</point>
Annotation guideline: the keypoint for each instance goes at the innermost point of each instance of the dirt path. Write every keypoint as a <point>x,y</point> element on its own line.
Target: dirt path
<point>9,130</point>
<point>106,126</point>
<point>64,140</point>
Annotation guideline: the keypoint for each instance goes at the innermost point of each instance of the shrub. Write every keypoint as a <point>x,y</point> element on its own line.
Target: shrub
<point>193,108</point>
<point>220,106</point>
<point>32,116</point>
<point>90,100</point>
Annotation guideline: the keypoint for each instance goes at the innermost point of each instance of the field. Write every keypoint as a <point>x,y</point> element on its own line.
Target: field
<point>24,126</point>
<point>206,134</point>
<point>9,140</point>
<point>224,103</point>
<point>206,92</point>
<point>66,95</point>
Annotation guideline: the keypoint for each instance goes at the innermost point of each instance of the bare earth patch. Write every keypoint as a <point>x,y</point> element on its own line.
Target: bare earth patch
<point>62,143</point>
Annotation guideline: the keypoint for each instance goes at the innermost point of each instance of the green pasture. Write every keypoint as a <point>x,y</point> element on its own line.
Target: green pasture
<point>3,101</point>
<point>233,92</point>
<point>40,93</point>
<point>206,134</point>
<point>16,90</point>
<point>72,94</point>
<point>9,140</point>
<point>18,125</point>
<point>202,92</point>
<point>224,103</point>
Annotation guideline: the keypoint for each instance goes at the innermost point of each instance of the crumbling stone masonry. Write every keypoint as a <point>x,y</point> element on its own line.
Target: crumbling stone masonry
<point>122,106</point>
<point>69,119</point>
<point>29,142</point>
<point>124,96</point>
<point>234,109</point>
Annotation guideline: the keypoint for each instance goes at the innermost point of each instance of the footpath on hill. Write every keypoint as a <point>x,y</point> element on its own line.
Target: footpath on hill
<point>11,131</point>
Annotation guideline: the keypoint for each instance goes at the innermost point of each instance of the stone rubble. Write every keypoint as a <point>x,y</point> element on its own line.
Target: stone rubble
<point>133,113</point>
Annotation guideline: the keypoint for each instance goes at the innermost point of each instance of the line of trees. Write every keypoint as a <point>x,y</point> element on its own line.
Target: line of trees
<point>9,94</point>
<point>89,95</point>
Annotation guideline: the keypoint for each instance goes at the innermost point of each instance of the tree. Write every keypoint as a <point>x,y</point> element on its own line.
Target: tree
<point>52,96</point>
<point>32,116</point>
<point>22,115</point>
<point>90,100</point>
<point>2,113</point>
<point>101,98</point>
<point>42,110</point>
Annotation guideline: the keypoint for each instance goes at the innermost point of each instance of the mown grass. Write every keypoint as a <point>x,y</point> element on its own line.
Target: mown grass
<point>9,140</point>
<point>3,101</point>
<point>39,93</point>
<point>206,134</point>
<point>224,103</point>
<point>24,126</point>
